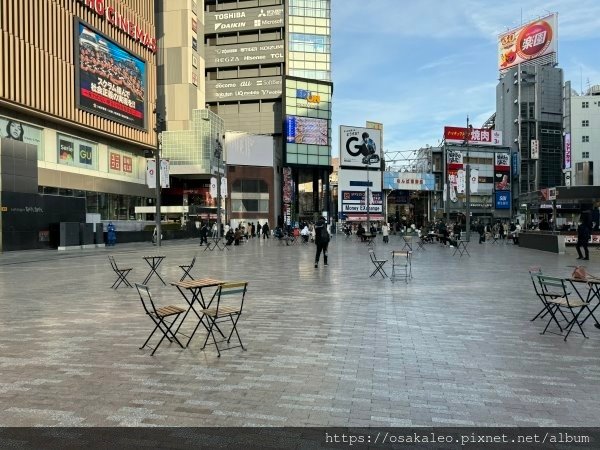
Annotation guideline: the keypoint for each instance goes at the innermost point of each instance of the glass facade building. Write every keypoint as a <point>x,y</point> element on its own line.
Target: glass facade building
<point>309,38</point>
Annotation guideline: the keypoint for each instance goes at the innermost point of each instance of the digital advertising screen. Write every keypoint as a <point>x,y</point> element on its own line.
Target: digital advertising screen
<point>111,82</point>
<point>306,130</point>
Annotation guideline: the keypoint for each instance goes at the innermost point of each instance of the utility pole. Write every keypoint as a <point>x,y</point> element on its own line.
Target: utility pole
<point>468,178</point>
<point>218,157</point>
<point>160,122</point>
<point>368,199</point>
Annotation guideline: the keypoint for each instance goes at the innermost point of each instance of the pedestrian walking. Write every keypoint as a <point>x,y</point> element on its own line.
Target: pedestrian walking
<point>265,230</point>
<point>204,234</point>
<point>385,232</point>
<point>322,240</point>
<point>583,237</point>
<point>111,234</point>
<point>258,229</point>
<point>253,230</point>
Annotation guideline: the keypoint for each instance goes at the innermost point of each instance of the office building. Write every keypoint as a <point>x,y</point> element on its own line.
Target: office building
<point>582,136</point>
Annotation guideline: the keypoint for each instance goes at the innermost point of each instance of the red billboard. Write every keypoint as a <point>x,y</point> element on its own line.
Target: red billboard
<point>530,41</point>
<point>478,136</point>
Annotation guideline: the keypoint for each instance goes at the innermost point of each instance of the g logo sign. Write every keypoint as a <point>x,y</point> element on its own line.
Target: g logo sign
<point>357,147</point>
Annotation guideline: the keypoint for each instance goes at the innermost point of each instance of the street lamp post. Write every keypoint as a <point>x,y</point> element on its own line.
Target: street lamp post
<point>160,122</point>
<point>468,179</point>
<point>368,200</point>
<point>218,157</point>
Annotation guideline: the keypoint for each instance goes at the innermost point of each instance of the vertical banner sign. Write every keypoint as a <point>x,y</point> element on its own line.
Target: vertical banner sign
<point>165,166</point>
<point>461,181</point>
<point>568,151</point>
<point>474,182</point>
<point>213,187</point>
<point>224,187</point>
<point>515,164</point>
<point>502,171</point>
<point>535,149</point>
<point>151,173</point>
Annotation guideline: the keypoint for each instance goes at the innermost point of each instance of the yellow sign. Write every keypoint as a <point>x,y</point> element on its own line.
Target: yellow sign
<point>4,209</point>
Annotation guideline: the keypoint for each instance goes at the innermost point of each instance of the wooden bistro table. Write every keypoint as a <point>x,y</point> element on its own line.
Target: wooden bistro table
<point>194,289</point>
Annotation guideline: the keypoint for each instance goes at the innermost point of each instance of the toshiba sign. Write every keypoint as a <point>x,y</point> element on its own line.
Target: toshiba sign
<point>126,25</point>
<point>244,20</point>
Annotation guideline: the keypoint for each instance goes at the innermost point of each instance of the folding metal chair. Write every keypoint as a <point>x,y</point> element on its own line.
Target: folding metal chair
<point>551,287</point>
<point>402,259</point>
<point>187,269</point>
<point>224,310</point>
<point>158,316</point>
<point>548,308</point>
<point>121,274</point>
<point>378,263</point>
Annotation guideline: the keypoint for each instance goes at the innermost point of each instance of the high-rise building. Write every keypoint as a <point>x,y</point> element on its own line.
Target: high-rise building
<point>582,136</point>
<point>268,72</point>
<point>77,90</point>
<point>529,106</point>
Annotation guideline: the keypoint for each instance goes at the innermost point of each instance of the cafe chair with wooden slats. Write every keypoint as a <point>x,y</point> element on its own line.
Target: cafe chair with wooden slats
<point>548,308</point>
<point>230,303</point>
<point>159,316</point>
<point>555,292</point>
<point>187,268</point>
<point>121,273</point>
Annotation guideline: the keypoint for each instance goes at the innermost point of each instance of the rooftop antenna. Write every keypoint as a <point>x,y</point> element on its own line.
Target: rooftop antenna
<point>581,79</point>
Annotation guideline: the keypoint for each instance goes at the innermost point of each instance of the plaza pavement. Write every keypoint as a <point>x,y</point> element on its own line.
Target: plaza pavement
<point>329,346</point>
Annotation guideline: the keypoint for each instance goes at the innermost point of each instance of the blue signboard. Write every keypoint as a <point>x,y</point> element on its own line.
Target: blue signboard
<point>516,167</point>
<point>290,126</point>
<point>503,200</point>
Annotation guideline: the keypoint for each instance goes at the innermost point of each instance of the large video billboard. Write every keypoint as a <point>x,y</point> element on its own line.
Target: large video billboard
<point>243,19</point>
<point>110,81</point>
<point>306,130</point>
<point>530,41</point>
<point>359,146</point>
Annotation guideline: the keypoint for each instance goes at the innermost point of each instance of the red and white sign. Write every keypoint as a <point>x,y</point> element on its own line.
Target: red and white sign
<point>127,164</point>
<point>454,159</point>
<point>502,162</point>
<point>568,151</point>
<point>115,161</point>
<point>531,41</point>
<point>117,20</point>
<point>479,136</point>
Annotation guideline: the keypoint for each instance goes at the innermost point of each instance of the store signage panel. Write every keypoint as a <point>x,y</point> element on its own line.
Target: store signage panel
<point>244,89</point>
<point>245,54</point>
<point>243,20</point>
<point>479,136</point>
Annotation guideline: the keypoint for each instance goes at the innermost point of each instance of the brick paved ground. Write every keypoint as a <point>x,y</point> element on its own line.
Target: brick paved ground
<point>325,347</point>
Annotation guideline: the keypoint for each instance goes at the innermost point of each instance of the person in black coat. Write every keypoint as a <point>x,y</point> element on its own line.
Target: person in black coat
<point>583,236</point>
<point>322,240</point>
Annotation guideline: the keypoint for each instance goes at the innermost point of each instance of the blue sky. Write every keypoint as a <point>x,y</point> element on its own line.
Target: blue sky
<point>416,66</point>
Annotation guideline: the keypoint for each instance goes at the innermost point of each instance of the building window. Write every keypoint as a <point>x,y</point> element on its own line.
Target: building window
<point>585,139</point>
<point>585,104</point>
<point>585,155</point>
<point>585,123</point>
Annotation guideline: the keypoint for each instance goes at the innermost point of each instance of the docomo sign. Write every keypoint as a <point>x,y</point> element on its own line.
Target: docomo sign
<point>528,42</point>
<point>118,21</point>
<point>481,136</point>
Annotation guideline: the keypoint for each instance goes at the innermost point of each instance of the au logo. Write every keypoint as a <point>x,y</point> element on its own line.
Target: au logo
<point>308,96</point>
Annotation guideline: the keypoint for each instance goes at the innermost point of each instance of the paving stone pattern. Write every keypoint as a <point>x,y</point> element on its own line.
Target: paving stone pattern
<point>326,346</point>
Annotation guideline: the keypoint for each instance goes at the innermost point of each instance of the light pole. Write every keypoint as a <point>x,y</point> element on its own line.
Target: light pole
<point>468,178</point>
<point>160,122</point>
<point>218,157</point>
<point>368,200</point>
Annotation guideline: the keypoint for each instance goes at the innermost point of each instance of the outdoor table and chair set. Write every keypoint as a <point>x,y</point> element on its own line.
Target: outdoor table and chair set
<point>567,302</point>
<point>210,302</point>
